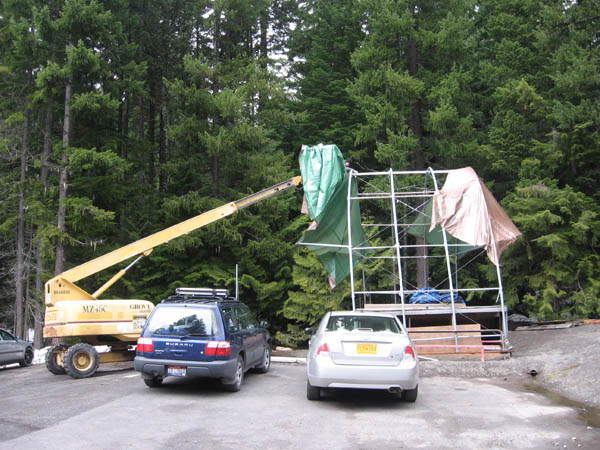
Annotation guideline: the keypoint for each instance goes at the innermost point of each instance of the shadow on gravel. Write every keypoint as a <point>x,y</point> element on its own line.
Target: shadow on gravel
<point>103,373</point>
<point>199,386</point>
<point>364,399</point>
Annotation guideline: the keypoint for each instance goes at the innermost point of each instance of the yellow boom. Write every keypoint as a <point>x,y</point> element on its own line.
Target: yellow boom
<point>72,312</point>
<point>62,287</point>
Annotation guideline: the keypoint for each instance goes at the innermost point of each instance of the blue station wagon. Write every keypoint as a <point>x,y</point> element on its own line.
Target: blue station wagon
<point>202,333</point>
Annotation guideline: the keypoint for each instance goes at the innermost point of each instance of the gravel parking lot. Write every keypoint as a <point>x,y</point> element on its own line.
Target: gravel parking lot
<point>114,409</point>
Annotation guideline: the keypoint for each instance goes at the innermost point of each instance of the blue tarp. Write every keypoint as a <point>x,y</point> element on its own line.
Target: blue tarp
<point>430,295</point>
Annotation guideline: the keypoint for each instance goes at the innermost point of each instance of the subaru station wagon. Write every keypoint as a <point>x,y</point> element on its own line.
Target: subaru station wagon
<point>202,333</point>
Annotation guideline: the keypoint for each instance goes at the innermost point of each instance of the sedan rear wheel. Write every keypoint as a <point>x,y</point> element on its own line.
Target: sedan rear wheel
<point>27,358</point>
<point>410,395</point>
<point>312,392</point>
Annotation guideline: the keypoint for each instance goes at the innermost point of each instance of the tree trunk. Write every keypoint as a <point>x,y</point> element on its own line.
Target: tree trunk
<point>151,138</point>
<point>263,52</point>
<point>47,146</point>
<point>216,89</point>
<point>38,304</point>
<point>59,265</point>
<point>419,159</point>
<point>27,278</point>
<point>163,152</point>
<point>20,269</point>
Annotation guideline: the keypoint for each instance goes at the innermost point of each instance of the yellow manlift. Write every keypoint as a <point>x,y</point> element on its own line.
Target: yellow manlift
<point>72,312</point>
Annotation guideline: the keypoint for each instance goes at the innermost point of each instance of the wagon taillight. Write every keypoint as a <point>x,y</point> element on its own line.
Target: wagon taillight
<point>145,345</point>
<point>218,348</point>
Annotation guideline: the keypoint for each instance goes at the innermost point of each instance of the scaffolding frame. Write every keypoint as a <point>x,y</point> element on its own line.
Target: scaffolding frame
<point>398,251</point>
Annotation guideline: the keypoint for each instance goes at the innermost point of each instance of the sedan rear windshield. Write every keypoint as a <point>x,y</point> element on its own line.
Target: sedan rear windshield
<point>183,321</point>
<point>363,323</point>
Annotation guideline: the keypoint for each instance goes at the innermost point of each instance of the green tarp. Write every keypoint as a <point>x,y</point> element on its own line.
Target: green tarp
<point>420,228</point>
<point>322,168</point>
<point>326,189</point>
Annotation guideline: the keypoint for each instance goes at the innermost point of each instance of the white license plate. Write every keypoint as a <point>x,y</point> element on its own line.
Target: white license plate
<point>176,371</point>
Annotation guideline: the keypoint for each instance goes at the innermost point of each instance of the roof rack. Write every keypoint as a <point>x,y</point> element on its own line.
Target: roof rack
<point>199,295</point>
<point>202,292</point>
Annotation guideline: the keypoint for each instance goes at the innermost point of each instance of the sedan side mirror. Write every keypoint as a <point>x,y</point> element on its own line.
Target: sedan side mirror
<point>309,331</point>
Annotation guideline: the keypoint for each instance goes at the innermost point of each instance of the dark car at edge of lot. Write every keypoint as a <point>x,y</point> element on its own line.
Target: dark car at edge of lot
<point>14,350</point>
<point>202,333</point>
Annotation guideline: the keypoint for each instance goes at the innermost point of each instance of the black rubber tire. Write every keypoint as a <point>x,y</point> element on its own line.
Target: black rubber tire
<point>153,382</point>
<point>312,392</point>
<point>81,361</point>
<point>238,378</point>
<point>410,395</point>
<point>265,365</point>
<point>51,359</point>
<point>27,357</point>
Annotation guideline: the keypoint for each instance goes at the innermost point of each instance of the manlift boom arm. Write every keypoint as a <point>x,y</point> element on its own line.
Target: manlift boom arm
<point>62,287</point>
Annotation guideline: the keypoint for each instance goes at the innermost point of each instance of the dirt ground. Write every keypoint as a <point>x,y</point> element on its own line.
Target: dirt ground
<point>566,362</point>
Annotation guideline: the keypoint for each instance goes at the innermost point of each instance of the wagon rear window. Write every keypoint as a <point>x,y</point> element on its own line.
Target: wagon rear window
<point>181,321</point>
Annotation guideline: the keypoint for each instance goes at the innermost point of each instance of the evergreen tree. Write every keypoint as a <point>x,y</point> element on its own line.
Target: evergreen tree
<point>326,35</point>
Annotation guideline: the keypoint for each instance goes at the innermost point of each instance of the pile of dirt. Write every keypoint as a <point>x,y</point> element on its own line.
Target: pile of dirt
<point>565,361</point>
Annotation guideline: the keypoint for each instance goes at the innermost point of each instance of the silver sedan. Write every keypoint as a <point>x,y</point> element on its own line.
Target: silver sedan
<point>362,350</point>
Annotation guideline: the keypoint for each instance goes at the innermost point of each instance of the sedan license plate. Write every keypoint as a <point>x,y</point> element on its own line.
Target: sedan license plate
<point>176,371</point>
<point>368,349</point>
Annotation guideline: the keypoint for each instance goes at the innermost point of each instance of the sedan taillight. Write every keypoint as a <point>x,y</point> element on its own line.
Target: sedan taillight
<point>218,348</point>
<point>145,345</point>
<point>322,349</point>
<point>409,353</point>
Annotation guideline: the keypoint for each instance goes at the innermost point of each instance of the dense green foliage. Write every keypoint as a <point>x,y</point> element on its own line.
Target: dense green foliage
<point>126,117</point>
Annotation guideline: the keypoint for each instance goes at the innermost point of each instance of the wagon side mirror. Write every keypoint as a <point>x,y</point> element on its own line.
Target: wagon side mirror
<point>309,331</point>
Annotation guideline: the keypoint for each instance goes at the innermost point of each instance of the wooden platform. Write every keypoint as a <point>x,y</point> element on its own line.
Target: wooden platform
<point>426,337</point>
<point>432,314</point>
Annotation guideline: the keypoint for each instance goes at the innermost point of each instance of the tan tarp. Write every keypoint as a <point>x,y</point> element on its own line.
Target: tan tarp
<point>467,210</point>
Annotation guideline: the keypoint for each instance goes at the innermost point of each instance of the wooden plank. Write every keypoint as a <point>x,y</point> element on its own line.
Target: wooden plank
<point>410,306</point>
<point>546,327</point>
<point>441,338</point>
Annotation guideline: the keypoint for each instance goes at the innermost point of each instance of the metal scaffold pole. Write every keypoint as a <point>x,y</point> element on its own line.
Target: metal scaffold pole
<point>448,266</point>
<point>396,243</point>
<point>349,221</point>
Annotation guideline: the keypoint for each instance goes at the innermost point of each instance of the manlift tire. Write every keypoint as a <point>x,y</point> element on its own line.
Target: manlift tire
<point>52,359</point>
<point>81,360</point>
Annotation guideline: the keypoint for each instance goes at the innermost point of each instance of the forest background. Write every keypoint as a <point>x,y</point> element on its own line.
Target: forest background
<point>119,118</point>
